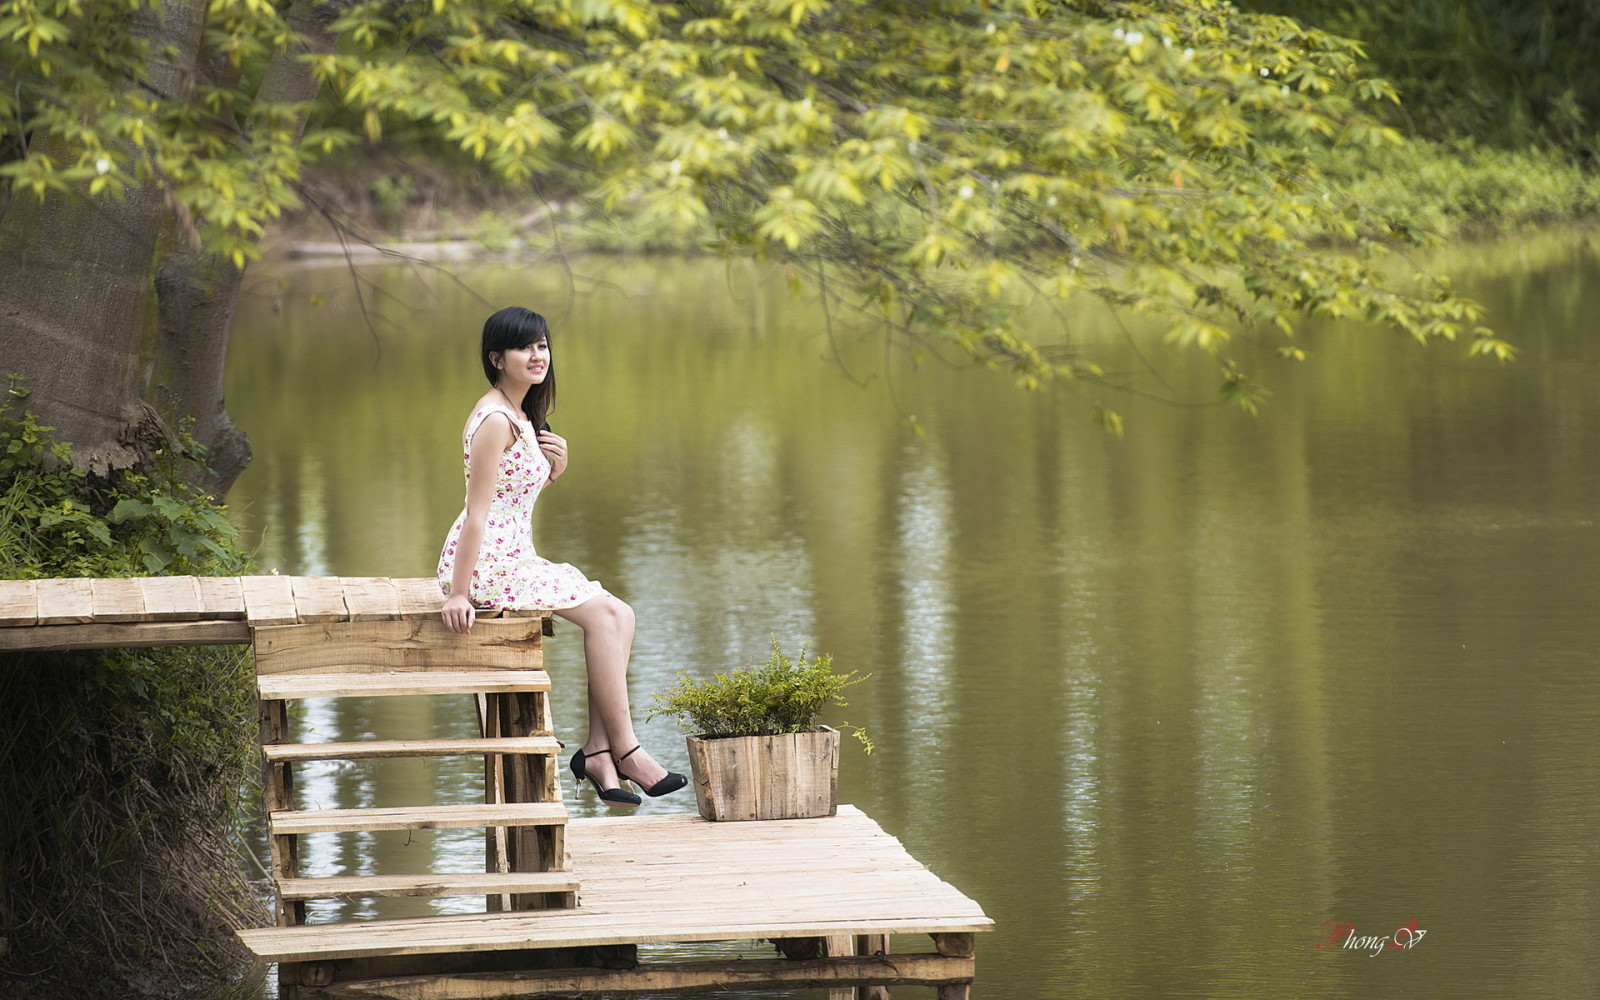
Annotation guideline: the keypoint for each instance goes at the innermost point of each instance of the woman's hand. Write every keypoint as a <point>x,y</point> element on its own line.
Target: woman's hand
<point>554,447</point>
<point>459,614</point>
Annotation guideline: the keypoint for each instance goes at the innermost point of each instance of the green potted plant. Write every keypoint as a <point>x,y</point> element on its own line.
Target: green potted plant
<point>755,748</point>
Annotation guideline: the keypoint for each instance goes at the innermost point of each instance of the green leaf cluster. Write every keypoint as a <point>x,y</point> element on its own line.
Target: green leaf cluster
<point>944,171</point>
<point>779,696</point>
<point>58,521</point>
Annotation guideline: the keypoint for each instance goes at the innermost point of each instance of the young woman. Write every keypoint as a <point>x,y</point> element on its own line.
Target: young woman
<point>489,562</point>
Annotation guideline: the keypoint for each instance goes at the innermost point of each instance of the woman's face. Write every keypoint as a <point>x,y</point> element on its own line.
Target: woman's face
<point>527,364</point>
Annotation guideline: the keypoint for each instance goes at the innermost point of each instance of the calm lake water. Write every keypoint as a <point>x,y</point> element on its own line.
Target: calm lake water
<point>1165,705</point>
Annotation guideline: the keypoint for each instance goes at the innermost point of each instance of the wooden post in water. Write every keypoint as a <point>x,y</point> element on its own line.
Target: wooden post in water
<point>856,946</point>
<point>523,778</point>
<point>277,794</point>
<point>954,946</point>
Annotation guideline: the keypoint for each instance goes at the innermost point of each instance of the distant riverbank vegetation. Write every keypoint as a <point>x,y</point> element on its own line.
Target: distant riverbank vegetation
<point>1435,189</point>
<point>1498,106</point>
<point>1499,103</point>
<point>1510,74</point>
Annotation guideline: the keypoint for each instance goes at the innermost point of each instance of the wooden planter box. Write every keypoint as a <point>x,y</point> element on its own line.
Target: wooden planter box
<point>792,776</point>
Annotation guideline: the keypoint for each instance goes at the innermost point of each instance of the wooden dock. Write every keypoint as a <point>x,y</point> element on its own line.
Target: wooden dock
<point>83,613</point>
<point>834,887</point>
<point>568,902</point>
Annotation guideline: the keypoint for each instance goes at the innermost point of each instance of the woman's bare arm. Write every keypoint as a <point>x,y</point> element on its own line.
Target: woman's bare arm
<point>489,443</point>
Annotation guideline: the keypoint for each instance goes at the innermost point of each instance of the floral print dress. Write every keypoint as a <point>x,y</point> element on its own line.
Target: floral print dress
<point>509,574</point>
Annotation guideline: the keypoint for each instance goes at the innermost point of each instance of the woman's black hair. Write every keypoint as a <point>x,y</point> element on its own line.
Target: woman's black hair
<point>512,329</point>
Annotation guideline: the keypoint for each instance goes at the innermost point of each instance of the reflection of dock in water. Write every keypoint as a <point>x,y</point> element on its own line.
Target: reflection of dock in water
<point>567,902</point>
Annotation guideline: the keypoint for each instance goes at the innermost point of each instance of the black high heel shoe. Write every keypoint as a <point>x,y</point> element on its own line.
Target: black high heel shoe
<point>671,783</point>
<point>610,796</point>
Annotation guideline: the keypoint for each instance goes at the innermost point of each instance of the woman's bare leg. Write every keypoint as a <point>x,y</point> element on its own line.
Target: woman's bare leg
<point>607,624</point>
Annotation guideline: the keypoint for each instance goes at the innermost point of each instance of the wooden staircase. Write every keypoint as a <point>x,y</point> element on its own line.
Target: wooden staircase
<point>526,864</point>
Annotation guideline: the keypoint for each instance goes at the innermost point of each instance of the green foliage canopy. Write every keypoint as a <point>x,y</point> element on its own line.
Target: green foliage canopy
<point>938,168</point>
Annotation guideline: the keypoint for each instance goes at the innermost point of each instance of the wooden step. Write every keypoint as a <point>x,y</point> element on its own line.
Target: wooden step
<point>366,749</point>
<point>280,687</point>
<point>446,884</point>
<point>288,821</point>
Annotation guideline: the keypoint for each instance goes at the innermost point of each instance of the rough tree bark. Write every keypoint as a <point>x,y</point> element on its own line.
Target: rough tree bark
<point>75,304</point>
<point>196,291</point>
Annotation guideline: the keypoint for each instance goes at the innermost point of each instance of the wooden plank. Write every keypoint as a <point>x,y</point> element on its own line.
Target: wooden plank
<point>19,603</point>
<point>747,880</point>
<point>371,598</point>
<point>131,635</point>
<point>171,598</point>
<point>419,598</point>
<point>511,960</point>
<point>711,977</point>
<point>290,686</point>
<point>431,817</point>
<point>268,600</point>
<point>443,884</point>
<point>767,777</point>
<point>368,749</point>
<point>221,597</point>
<point>318,599</point>
<point>397,646</point>
<point>117,600</point>
<point>64,602</point>
<point>568,928</point>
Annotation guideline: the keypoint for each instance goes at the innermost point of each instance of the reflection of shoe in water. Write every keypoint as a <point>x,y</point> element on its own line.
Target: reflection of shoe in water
<point>671,783</point>
<point>610,796</point>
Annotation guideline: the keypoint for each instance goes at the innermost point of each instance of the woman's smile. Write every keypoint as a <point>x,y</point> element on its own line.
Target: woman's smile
<point>533,361</point>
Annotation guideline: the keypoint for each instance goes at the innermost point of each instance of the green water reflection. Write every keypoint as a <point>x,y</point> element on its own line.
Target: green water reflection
<point>1163,705</point>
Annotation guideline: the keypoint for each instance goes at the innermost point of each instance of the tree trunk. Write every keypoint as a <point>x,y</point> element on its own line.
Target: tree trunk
<point>75,300</point>
<point>195,294</point>
<point>196,291</point>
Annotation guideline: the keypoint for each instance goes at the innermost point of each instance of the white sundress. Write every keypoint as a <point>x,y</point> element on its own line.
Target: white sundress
<point>509,573</point>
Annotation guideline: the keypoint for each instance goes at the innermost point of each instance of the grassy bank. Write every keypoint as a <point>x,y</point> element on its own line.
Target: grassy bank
<point>1458,189</point>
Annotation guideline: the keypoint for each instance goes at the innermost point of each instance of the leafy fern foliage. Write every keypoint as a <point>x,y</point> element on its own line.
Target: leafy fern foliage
<point>780,696</point>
